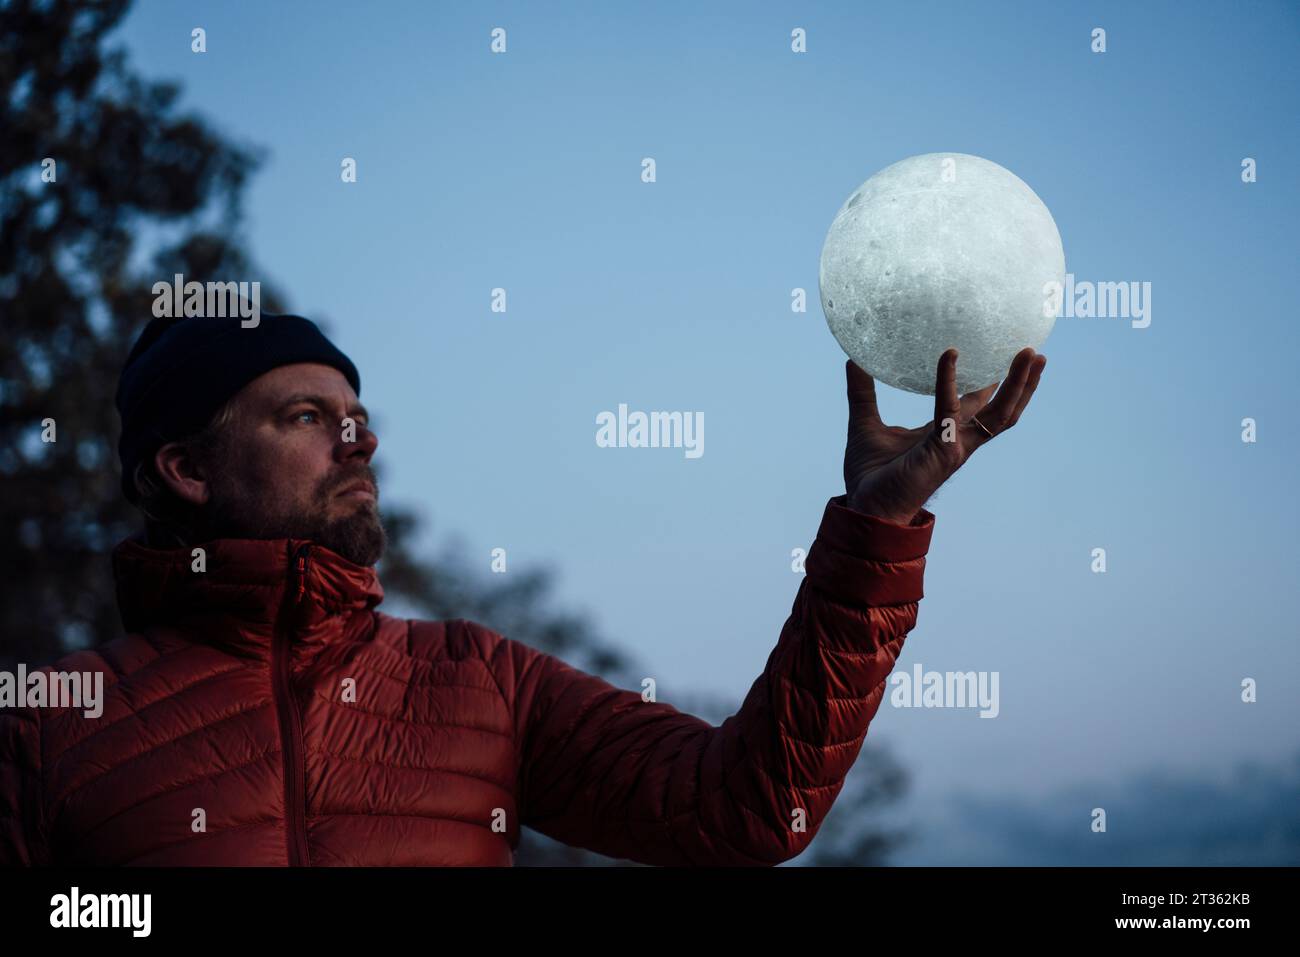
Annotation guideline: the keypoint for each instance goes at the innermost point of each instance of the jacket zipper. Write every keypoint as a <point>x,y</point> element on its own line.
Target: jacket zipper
<point>295,769</point>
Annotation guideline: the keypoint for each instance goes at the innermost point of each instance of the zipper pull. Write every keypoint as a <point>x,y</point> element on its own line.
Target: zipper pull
<point>303,552</point>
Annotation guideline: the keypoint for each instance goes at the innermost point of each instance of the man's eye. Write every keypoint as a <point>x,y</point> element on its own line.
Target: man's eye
<point>299,415</point>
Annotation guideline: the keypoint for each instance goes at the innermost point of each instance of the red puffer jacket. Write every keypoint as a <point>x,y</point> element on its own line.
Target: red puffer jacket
<point>310,728</point>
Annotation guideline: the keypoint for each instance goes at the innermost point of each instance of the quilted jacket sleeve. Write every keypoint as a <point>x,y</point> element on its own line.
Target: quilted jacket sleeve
<point>21,827</point>
<point>602,769</point>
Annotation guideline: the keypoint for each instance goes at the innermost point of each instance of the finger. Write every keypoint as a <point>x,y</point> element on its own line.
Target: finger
<point>863,411</point>
<point>997,414</point>
<point>1035,373</point>
<point>946,403</point>
<point>972,402</point>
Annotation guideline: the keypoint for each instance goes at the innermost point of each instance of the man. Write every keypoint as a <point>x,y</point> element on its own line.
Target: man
<point>260,709</point>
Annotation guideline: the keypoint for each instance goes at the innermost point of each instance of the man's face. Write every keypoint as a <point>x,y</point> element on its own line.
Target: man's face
<point>287,470</point>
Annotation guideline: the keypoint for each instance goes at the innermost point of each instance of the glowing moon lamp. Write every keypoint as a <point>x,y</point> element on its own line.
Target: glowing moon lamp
<point>940,250</point>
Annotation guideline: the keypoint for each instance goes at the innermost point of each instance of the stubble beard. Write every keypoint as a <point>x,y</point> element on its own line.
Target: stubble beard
<point>358,534</point>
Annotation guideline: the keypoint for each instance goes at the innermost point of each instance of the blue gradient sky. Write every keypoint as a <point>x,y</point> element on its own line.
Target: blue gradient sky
<point>523,171</point>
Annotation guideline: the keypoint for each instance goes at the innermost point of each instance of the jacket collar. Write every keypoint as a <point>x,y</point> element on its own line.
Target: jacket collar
<point>248,589</point>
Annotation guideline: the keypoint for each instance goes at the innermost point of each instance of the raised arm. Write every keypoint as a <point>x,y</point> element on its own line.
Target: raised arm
<point>602,769</point>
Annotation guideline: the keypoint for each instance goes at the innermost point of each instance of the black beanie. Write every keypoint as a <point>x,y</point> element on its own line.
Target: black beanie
<point>181,371</point>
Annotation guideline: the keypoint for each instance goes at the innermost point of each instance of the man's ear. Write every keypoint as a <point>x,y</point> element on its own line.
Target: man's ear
<point>179,471</point>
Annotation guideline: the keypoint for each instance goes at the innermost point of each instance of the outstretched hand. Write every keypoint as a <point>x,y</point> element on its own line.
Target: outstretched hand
<point>891,472</point>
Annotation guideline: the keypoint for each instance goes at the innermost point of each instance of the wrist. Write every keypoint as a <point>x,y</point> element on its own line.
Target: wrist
<point>898,514</point>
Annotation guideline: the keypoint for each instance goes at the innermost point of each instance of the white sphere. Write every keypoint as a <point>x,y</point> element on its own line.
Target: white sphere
<point>940,250</point>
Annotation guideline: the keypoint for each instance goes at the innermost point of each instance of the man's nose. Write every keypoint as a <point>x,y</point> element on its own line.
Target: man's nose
<point>362,443</point>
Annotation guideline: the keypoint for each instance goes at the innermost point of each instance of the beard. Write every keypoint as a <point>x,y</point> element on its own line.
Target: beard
<point>358,534</point>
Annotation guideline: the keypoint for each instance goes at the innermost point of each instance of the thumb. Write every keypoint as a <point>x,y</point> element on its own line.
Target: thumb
<point>862,397</point>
